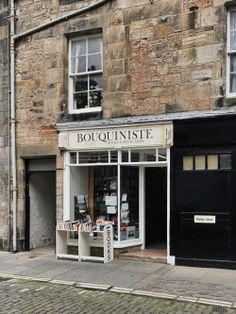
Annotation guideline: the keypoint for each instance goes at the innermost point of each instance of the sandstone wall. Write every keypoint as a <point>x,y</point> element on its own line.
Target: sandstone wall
<point>159,57</point>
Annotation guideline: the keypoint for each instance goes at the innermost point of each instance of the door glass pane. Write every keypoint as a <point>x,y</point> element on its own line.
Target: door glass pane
<point>212,162</point>
<point>129,210</point>
<point>200,162</point>
<point>225,161</point>
<point>187,163</point>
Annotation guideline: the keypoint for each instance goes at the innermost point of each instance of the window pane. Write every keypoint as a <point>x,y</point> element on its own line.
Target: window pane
<point>94,62</point>
<point>232,40</point>
<point>95,99</point>
<point>187,163</point>
<point>94,45</point>
<point>96,157</point>
<point>212,162</point>
<point>95,81</point>
<point>78,65</point>
<point>73,158</point>
<point>134,156</point>
<point>129,200</point>
<point>232,63</point>
<point>125,156</point>
<point>80,100</point>
<point>80,83</point>
<point>232,83</point>
<point>225,161</point>
<point>148,155</point>
<point>233,20</point>
<point>78,48</point>
<point>200,162</point>
<point>162,154</point>
<point>113,156</point>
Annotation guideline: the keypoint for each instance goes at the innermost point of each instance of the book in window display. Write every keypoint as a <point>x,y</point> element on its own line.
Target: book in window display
<point>81,209</point>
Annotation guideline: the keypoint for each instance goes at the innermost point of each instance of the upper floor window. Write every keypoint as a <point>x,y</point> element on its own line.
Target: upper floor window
<point>85,74</point>
<point>231,54</point>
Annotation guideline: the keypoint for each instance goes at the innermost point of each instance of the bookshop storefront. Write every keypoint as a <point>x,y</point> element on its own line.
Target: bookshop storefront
<point>119,175</point>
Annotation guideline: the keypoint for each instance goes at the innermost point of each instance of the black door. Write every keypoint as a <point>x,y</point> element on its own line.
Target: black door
<point>156,206</point>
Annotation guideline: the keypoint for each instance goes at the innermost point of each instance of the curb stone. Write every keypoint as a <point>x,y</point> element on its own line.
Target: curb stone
<point>130,291</point>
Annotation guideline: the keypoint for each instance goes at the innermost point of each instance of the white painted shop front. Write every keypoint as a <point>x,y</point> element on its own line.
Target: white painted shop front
<point>109,175</point>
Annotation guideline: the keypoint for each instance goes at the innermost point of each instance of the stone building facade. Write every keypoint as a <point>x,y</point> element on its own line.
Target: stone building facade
<point>160,59</point>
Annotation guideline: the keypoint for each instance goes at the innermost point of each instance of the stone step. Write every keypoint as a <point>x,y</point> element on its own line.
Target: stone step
<point>153,256</point>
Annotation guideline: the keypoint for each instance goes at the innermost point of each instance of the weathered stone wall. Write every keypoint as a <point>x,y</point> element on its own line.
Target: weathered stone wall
<point>3,128</point>
<point>164,56</point>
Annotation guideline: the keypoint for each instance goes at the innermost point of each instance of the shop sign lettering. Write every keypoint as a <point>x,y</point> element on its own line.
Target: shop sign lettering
<point>108,245</point>
<point>115,137</point>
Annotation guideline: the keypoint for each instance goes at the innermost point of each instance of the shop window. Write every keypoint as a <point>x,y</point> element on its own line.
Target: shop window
<point>188,163</point>
<point>134,156</point>
<point>162,154</point>
<point>85,74</point>
<point>200,162</point>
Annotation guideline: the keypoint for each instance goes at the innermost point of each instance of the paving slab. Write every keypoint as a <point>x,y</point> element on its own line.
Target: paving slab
<point>185,282</point>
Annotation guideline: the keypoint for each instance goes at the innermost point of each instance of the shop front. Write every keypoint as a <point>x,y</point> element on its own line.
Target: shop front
<point>119,175</point>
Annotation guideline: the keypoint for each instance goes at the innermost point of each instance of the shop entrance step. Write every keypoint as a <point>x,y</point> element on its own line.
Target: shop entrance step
<point>148,255</point>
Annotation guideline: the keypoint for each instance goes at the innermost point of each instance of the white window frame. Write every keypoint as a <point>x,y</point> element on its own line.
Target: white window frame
<point>229,53</point>
<point>71,75</point>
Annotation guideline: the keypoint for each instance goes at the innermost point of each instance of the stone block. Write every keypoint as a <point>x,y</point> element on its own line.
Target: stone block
<point>208,53</point>
<point>114,34</point>
<point>116,51</point>
<point>54,75</point>
<point>209,16</point>
<point>119,83</point>
<point>115,67</point>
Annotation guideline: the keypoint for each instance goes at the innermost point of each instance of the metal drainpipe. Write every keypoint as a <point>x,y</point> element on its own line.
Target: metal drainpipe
<point>8,133</point>
<point>13,126</point>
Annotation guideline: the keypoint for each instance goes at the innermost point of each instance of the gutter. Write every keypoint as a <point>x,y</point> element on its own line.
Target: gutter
<point>60,19</point>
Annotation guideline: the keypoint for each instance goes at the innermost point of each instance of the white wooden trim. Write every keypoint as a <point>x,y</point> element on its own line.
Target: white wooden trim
<point>142,206</point>
<point>66,188</point>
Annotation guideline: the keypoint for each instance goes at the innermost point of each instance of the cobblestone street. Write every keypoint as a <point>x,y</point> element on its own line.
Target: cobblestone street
<point>21,296</point>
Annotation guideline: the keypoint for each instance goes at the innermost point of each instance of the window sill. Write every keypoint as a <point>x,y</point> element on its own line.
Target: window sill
<point>85,110</point>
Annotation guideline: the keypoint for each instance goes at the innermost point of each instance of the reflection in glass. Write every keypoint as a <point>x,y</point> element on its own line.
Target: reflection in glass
<point>94,62</point>
<point>80,83</point>
<point>94,45</point>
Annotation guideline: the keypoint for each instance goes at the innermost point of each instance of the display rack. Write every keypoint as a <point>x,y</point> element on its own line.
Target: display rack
<point>96,238</point>
<point>85,238</point>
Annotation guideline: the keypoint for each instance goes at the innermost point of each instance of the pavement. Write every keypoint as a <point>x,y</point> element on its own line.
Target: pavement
<point>134,278</point>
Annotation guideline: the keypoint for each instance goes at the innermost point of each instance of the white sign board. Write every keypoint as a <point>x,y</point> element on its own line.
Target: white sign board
<point>108,243</point>
<point>117,137</point>
<point>204,219</point>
